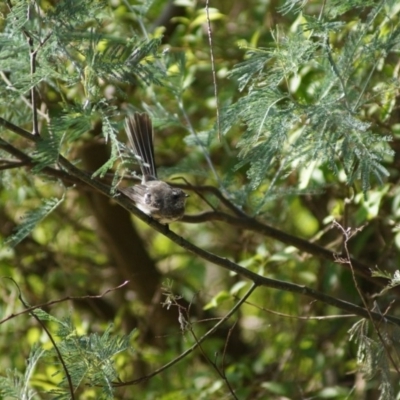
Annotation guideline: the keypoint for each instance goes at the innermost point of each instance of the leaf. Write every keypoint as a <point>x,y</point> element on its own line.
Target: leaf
<point>31,219</point>
<point>217,300</point>
<point>46,152</point>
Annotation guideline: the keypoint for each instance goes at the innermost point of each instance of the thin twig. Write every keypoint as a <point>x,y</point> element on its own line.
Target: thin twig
<point>217,193</point>
<point>199,142</point>
<point>221,374</point>
<point>67,298</point>
<point>199,194</point>
<point>32,57</point>
<point>214,75</point>
<point>225,350</point>
<point>190,349</point>
<point>311,317</point>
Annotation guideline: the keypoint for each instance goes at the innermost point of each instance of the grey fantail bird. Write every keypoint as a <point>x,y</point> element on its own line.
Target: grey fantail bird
<point>156,198</point>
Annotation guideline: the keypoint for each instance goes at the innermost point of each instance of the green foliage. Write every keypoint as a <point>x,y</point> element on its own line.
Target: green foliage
<point>31,219</point>
<point>372,357</point>
<point>89,360</point>
<point>74,122</point>
<point>326,123</point>
<point>15,385</point>
<point>46,152</point>
<point>91,357</point>
<point>309,132</point>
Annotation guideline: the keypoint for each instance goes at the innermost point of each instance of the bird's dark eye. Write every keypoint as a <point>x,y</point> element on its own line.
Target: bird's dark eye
<point>147,198</point>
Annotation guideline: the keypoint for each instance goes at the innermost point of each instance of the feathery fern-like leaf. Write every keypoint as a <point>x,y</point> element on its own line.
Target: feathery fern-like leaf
<point>31,219</point>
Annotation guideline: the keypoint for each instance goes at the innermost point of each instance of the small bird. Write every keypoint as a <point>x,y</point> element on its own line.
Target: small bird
<point>154,197</point>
